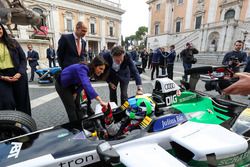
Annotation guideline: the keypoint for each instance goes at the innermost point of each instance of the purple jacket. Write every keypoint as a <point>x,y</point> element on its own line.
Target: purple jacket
<point>78,74</point>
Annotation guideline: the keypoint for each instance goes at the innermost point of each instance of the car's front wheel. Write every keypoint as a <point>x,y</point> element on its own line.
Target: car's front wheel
<point>15,123</point>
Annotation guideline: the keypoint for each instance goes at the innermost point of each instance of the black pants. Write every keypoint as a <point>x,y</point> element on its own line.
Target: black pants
<point>33,69</point>
<point>170,70</point>
<point>144,64</point>
<point>14,95</point>
<point>73,111</point>
<point>155,66</point>
<point>52,61</point>
<point>124,92</point>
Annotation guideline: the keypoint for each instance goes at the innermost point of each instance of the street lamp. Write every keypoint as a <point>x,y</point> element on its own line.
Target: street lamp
<point>244,40</point>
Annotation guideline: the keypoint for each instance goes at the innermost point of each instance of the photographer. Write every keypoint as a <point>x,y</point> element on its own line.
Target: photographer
<point>235,58</point>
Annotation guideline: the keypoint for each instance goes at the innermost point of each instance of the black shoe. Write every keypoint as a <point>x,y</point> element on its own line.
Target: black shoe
<point>30,80</point>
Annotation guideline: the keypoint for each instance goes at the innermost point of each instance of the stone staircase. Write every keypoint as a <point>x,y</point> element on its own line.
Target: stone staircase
<point>192,37</point>
<point>214,58</point>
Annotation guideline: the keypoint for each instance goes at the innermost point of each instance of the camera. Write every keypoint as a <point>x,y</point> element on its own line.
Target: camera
<point>234,61</point>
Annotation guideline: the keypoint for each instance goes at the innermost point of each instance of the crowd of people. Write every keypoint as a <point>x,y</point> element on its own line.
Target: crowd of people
<point>114,66</point>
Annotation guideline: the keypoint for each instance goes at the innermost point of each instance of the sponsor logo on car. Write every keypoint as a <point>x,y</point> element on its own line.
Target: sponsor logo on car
<point>171,100</point>
<point>241,158</point>
<point>81,161</point>
<point>187,98</point>
<point>169,86</point>
<point>168,122</point>
<point>15,149</point>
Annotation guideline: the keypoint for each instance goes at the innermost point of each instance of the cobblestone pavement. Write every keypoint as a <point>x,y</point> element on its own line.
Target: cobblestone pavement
<point>48,110</point>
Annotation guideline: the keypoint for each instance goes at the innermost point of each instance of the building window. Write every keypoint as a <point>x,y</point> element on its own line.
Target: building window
<point>111,28</point>
<point>69,26</point>
<point>229,14</point>
<point>158,7</point>
<point>178,26</point>
<point>198,22</point>
<point>157,29</point>
<point>92,25</point>
<point>68,22</point>
<point>111,31</point>
<point>180,1</point>
<point>92,28</point>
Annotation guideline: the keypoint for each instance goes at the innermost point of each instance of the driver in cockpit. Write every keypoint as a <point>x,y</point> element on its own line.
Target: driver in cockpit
<point>139,113</point>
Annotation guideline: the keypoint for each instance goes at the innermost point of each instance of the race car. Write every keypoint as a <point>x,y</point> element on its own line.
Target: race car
<point>189,129</point>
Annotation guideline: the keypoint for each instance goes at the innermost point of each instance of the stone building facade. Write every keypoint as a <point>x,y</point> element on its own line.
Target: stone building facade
<point>211,25</point>
<point>103,18</point>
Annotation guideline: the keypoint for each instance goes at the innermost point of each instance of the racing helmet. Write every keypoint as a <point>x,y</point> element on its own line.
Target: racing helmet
<point>140,106</point>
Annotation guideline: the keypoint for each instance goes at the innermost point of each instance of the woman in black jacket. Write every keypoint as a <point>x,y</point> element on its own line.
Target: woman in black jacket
<point>14,90</point>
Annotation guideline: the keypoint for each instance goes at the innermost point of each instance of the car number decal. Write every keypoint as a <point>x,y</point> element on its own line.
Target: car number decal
<point>15,149</point>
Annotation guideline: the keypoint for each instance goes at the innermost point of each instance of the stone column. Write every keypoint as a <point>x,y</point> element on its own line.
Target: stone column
<point>55,24</point>
<point>189,14</point>
<point>168,17</point>
<point>102,32</point>
<point>212,11</point>
<point>248,11</point>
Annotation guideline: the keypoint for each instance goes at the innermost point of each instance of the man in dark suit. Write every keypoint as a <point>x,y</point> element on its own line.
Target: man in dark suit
<point>71,47</point>
<point>51,55</point>
<point>33,58</point>
<point>120,67</point>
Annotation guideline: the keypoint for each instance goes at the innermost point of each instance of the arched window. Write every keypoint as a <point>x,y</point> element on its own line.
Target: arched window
<point>229,14</point>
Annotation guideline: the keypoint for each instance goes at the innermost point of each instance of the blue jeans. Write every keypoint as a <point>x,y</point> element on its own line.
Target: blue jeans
<point>186,66</point>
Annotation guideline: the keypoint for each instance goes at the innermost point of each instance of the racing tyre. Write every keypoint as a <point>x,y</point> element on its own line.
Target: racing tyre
<point>15,123</point>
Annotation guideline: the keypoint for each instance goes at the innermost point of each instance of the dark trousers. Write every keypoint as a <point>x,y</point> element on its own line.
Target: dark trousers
<point>14,95</point>
<point>73,111</point>
<point>66,95</point>
<point>123,89</point>
<point>155,66</point>
<point>52,61</point>
<point>32,74</point>
<point>163,70</point>
<point>7,101</point>
<point>170,70</point>
<point>149,63</point>
<point>186,66</point>
<point>144,64</point>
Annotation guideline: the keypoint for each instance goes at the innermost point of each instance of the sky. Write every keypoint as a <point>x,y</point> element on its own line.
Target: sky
<point>136,15</point>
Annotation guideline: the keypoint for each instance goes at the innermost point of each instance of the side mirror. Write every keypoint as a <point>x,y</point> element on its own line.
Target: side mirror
<point>107,153</point>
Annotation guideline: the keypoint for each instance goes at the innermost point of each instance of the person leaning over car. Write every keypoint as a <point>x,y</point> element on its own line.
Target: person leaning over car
<point>75,78</point>
<point>120,67</point>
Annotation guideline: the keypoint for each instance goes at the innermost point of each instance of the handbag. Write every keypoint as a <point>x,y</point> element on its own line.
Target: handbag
<point>193,61</point>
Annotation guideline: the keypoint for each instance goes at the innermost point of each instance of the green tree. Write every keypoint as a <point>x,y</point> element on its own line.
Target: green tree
<point>129,41</point>
<point>141,32</point>
<point>139,37</point>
